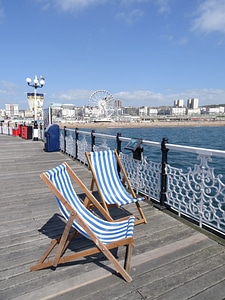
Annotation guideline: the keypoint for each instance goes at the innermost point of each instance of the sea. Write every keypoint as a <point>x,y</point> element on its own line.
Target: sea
<point>203,137</point>
<point>199,136</point>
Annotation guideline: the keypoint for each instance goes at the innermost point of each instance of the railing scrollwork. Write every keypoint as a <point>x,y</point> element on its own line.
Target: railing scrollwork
<point>198,193</point>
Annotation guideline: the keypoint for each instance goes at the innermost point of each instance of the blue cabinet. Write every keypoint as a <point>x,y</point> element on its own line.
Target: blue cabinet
<point>52,135</point>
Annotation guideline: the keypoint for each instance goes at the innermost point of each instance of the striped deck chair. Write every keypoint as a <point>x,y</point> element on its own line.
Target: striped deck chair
<point>105,234</point>
<point>104,167</point>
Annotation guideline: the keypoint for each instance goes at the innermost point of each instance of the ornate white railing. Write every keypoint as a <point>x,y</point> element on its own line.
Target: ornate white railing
<point>144,175</point>
<point>195,190</point>
<point>196,193</point>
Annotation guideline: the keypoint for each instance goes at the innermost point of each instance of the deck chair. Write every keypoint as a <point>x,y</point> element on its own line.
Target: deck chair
<point>104,167</point>
<point>105,234</point>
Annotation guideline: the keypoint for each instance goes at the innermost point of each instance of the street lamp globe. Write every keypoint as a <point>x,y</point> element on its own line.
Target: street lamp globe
<point>28,80</point>
<point>42,82</point>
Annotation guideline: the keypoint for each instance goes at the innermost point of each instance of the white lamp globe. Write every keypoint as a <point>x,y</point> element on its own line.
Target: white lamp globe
<point>42,82</point>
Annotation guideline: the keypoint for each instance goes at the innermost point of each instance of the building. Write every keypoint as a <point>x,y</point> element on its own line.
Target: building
<point>118,104</point>
<point>130,110</point>
<point>11,110</point>
<point>68,111</point>
<point>143,111</point>
<point>215,110</point>
<point>178,111</point>
<point>153,111</point>
<point>193,111</point>
<point>192,103</point>
<point>179,103</point>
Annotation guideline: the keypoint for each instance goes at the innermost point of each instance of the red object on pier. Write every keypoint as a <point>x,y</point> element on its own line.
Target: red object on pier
<point>15,131</point>
<point>26,132</point>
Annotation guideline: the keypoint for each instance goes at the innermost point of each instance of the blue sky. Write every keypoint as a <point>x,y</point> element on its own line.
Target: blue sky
<point>144,52</point>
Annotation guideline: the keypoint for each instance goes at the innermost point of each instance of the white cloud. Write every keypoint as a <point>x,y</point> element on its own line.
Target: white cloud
<point>205,96</point>
<point>8,88</point>
<point>80,96</point>
<point>2,14</point>
<point>71,5</point>
<point>149,98</point>
<point>131,16</point>
<point>10,93</point>
<point>163,6</point>
<point>210,16</point>
<point>140,98</point>
<point>145,97</point>
<point>78,5</point>
<point>183,41</point>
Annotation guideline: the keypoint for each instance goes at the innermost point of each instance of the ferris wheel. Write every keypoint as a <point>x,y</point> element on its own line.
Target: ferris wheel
<point>101,104</point>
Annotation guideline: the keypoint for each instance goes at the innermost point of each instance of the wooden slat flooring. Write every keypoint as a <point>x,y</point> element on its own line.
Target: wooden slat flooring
<point>171,259</point>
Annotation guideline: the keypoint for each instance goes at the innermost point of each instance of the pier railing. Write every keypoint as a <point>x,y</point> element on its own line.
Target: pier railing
<point>187,180</point>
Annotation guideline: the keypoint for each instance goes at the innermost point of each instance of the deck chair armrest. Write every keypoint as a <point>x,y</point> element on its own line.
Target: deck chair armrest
<point>122,219</point>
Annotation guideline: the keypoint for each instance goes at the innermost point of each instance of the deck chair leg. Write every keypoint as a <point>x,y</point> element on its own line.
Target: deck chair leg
<point>143,219</point>
<point>61,248</point>
<point>127,262</point>
<point>116,264</point>
<point>45,255</point>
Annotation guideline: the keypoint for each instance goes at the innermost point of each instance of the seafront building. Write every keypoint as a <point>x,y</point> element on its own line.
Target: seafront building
<point>192,103</point>
<point>12,110</point>
<point>178,111</point>
<point>179,103</point>
<point>70,112</point>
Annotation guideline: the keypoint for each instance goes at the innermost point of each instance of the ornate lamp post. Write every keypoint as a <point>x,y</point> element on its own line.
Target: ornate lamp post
<point>37,83</point>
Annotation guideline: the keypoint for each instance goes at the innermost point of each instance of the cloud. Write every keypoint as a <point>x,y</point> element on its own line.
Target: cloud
<point>152,99</point>
<point>2,13</point>
<point>210,16</point>
<point>131,16</point>
<point>70,5</point>
<point>10,93</point>
<point>139,98</point>
<point>75,96</point>
<point>79,5</point>
<point>205,96</point>
<point>163,6</point>
<point>145,97</point>
<point>8,88</point>
<point>183,41</point>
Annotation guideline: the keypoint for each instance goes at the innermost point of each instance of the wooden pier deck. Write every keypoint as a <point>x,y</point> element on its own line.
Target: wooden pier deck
<point>171,259</point>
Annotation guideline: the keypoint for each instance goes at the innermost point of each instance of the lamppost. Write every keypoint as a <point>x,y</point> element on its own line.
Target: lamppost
<point>37,83</point>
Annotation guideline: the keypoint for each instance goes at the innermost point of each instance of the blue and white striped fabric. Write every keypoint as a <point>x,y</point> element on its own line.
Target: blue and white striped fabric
<point>106,231</point>
<point>105,168</point>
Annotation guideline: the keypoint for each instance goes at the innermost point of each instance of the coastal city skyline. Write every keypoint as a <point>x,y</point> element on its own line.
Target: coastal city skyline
<point>145,52</point>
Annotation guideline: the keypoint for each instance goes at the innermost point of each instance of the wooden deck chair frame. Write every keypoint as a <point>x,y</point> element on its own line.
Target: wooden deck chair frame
<point>139,219</point>
<point>63,241</point>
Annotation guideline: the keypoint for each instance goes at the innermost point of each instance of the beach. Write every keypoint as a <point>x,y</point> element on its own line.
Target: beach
<point>156,123</point>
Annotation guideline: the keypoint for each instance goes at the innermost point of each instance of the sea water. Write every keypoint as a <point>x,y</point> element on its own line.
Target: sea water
<point>199,136</point>
<point>203,137</point>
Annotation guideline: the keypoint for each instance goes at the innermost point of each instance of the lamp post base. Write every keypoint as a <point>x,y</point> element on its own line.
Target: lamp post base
<point>35,135</point>
<point>35,131</point>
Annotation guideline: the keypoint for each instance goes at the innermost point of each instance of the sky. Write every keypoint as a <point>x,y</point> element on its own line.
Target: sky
<point>143,52</point>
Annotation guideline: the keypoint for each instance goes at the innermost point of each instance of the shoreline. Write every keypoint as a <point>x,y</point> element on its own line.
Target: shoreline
<point>155,124</point>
